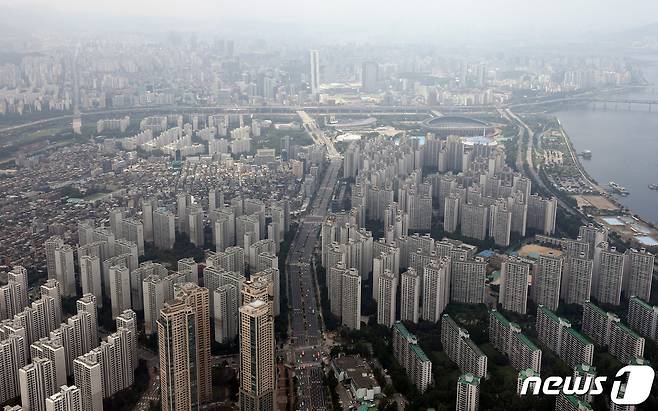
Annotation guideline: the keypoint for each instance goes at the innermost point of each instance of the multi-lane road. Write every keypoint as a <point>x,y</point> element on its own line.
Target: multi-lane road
<point>306,345</point>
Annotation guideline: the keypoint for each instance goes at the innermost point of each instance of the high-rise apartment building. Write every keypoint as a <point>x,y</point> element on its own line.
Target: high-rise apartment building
<point>164,229</point>
<point>607,277</point>
<point>411,357</point>
<point>638,271</point>
<point>467,279</point>
<point>514,278</point>
<point>65,269</point>
<point>436,289</point>
<point>386,303</point>
<point>351,299</point>
<point>643,318</point>
<point>409,296</point>
<point>119,289</point>
<point>66,399</point>
<point>576,285</point>
<point>37,381</point>
<point>257,368</point>
<point>461,349</point>
<point>558,336</point>
<point>468,393</point>
<point>546,280</point>
<point>507,338</point>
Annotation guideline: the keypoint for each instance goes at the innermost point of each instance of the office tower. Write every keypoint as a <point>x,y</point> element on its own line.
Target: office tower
<point>576,283</point>
<point>411,357</point>
<point>451,213</point>
<point>13,357</point>
<point>65,269</point>
<point>195,224</point>
<point>461,349</point>
<point>89,304</point>
<point>225,309</point>
<point>350,311</point>
<point>542,213</point>
<point>369,76</point>
<point>467,279</point>
<point>164,229</point>
<point>638,269</point>
<point>53,289</point>
<point>315,71</point>
<point>88,378</point>
<point>51,245</point>
<point>532,384</point>
<point>257,370</point>
<point>473,221</point>
<point>507,338</point>
<point>386,303</point>
<point>90,276</point>
<point>558,336</point>
<point>643,318</point>
<point>409,296</point>
<point>53,351</point>
<point>593,236</point>
<point>608,274</point>
<point>37,381</point>
<point>501,223</point>
<point>133,230</point>
<point>198,298</point>
<point>119,289</point>
<point>147,218</point>
<point>468,393</point>
<point>546,280</point>
<point>436,289</point>
<point>514,277</point>
<point>67,399</point>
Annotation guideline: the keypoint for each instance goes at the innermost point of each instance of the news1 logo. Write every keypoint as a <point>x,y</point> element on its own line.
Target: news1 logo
<point>636,390</point>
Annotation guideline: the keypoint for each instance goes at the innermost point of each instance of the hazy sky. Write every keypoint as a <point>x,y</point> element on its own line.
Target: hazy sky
<point>368,18</point>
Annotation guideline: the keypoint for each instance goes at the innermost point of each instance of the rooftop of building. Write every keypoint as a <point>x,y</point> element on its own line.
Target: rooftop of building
<point>469,378</point>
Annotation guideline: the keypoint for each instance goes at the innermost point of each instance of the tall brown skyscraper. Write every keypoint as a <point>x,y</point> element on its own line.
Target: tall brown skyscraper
<point>257,379</point>
<point>184,345</point>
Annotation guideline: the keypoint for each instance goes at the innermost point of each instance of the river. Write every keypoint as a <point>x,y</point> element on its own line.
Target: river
<point>624,147</point>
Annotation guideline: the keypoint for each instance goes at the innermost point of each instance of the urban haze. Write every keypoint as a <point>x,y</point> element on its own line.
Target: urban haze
<point>327,205</point>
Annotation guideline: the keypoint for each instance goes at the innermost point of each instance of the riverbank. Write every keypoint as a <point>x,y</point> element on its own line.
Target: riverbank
<point>627,224</point>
